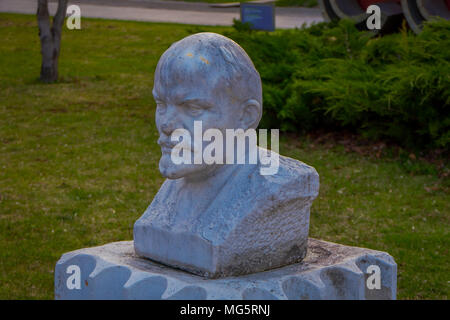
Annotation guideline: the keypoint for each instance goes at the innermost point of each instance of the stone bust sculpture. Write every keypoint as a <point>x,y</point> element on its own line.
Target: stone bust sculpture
<point>219,220</point>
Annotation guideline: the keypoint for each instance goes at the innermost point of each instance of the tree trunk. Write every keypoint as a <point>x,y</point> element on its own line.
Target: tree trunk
<point>50,35</point>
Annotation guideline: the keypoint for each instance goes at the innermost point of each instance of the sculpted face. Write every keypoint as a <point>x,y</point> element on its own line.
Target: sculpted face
<point>191,85</point>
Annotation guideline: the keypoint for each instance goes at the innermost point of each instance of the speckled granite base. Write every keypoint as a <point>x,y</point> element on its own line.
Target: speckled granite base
<point>329,271</point>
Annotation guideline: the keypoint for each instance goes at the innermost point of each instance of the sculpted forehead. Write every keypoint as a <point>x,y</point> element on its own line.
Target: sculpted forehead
<point>207,65</point>
<point>201,49</point>
<point>189,68</point>
<point>192,62</point>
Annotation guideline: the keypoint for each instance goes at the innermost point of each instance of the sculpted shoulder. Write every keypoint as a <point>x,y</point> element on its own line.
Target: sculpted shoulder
<point>294,179</point>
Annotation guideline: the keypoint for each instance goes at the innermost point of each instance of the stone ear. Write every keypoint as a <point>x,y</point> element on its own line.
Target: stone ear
<point>251,114</point>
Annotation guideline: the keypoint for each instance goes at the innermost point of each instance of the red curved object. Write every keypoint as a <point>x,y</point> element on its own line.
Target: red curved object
<point>365,3</point>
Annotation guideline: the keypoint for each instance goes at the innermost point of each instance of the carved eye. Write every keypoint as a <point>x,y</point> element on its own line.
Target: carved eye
<point>194,109</point>
<point>160,107</point>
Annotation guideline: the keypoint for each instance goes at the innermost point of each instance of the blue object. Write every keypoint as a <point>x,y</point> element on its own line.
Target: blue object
<point>260,16</point>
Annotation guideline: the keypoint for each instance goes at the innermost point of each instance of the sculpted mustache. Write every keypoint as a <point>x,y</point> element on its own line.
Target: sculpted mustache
<point>163,143</point>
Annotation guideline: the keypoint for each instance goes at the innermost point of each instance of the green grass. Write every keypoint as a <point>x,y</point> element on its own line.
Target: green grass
<point>78,163</point>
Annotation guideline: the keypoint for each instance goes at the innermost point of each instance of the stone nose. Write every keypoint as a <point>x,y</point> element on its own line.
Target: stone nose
<point>170,121</point>
<point>167,129</point>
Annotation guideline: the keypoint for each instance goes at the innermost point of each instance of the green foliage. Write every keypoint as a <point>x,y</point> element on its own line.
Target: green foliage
<point>241,26</point>
<point>296,3</point>
<point>331,75</point>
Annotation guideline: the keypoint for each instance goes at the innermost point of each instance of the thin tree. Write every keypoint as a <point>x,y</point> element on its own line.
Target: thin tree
<point>50,36</point>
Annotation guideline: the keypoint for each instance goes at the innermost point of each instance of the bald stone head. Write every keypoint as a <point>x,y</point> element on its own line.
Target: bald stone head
<point>204,77</point>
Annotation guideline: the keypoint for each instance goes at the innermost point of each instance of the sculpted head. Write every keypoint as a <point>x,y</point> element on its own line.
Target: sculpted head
<point>203,77</point>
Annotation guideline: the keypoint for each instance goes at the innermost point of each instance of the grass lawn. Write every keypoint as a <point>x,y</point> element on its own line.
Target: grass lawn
<point>78,163</point>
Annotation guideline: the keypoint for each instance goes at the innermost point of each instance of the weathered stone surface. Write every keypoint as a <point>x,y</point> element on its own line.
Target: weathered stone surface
<point>329,271</point>
<point>220,219</point>
<point>261,222</point>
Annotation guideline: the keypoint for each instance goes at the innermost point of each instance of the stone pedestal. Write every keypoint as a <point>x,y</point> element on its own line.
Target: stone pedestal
<point>329,271</point>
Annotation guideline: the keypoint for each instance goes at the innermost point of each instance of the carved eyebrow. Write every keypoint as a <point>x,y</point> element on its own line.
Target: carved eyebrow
<point>186,100</point>
<point>199,101</point>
